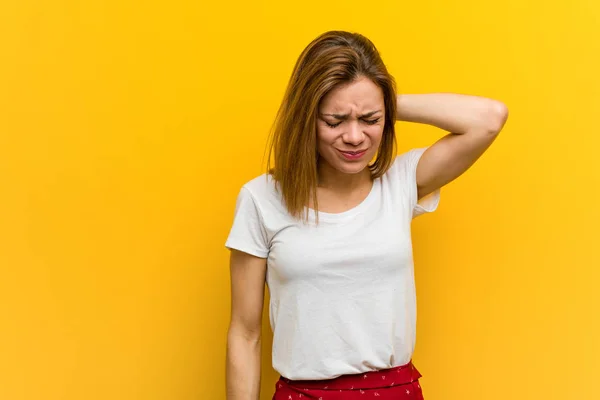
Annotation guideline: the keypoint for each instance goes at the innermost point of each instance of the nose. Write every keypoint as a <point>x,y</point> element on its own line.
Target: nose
<point>354,134</point>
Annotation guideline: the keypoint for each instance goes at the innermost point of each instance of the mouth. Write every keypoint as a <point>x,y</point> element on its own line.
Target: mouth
<point>353,155</point>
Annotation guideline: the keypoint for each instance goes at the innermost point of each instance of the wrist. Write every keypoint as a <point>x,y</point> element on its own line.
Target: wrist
<point>403,112</point>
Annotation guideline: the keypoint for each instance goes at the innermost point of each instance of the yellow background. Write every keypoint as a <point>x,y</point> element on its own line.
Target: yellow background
<point>127,128</point>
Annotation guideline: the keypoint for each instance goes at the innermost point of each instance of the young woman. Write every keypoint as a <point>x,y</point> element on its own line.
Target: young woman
<point>328,227</point>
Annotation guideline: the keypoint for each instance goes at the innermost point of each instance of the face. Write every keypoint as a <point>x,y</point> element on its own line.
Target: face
<point>350,126</point>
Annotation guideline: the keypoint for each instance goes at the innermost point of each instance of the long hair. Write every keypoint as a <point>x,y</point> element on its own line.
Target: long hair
<point>332,59</point>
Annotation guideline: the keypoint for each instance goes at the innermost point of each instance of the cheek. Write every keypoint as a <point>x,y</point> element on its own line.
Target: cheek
<point>325,138</point>
<point>376,134</point>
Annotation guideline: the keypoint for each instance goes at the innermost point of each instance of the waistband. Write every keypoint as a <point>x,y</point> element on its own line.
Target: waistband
<point>401,375</point>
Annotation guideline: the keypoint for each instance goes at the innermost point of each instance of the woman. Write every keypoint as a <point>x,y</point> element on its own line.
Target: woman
<point>328,227</point>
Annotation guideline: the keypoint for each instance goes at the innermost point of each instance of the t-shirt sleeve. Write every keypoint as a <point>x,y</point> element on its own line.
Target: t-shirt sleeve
<point>248,233</point>
<point>427,204</point>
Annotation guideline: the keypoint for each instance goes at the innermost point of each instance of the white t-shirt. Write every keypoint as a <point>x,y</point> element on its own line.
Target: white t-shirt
<point>342,292</point>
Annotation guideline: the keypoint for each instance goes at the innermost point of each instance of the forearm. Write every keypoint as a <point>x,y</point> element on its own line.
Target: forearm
<point>454,113</point>
<point>243,367</point>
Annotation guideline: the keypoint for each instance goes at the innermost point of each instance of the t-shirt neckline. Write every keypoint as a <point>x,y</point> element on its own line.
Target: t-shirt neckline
<point>352,212</point>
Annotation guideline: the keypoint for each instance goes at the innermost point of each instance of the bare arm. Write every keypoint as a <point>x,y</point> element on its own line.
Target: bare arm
<point>244,334</point>
<point>474,123</point>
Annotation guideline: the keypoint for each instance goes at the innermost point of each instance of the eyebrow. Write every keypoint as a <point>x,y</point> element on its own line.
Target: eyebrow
<point>344,116</point>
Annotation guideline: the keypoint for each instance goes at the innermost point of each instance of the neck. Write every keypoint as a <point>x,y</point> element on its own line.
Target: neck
<point>332,179</point>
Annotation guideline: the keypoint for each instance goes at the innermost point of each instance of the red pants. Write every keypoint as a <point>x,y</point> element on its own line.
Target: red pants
<point>399,383</point>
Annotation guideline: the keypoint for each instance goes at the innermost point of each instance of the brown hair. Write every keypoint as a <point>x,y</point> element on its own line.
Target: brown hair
<point>333,58</point>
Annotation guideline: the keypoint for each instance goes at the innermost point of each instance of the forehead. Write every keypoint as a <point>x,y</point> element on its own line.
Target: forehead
<point>359,95</point>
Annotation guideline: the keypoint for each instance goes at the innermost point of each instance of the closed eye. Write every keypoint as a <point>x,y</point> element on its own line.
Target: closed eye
<point>368,122</point>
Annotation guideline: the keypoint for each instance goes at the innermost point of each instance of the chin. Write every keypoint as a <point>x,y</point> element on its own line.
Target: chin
<point>351,168</point>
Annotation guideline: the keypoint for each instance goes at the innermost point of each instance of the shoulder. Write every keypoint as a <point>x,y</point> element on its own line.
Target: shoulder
<point>263,192</point>
<point>402,177</point>
<point>405,163</point>
<point>260,203</point>
<point>260,188</point>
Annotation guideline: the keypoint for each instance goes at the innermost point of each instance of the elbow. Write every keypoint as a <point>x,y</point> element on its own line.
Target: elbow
<point>495,117</point>
<point>244,333</point>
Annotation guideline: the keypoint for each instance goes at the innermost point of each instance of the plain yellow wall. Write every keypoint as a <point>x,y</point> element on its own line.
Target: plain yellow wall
<point>127,128</point>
